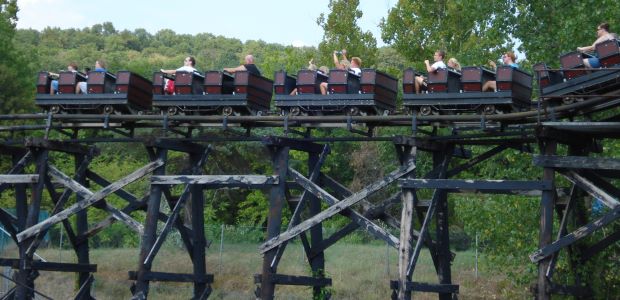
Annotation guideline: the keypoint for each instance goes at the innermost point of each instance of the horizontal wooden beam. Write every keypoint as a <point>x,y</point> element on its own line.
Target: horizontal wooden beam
<point>295,144</point>
<point>172,277</point>
<point>246,181</point>
<point>294,280</point>
<point>61,146</point>
<point>576,162</point>
<point>575,236</point>
<point>21,178</point>
<point>50,266</point>
<point>475,185</point>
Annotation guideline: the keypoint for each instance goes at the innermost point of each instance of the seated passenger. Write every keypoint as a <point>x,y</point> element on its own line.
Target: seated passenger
<point>72,67</point>
<point>438,64</point>
<point>508,59</point>
<point>454,64</point>
<point>311,67</point>
<point>188,66</point>
<point>603,34</point>
<point>82,87</point>
<point>353,66</point>
<point>248,66</point>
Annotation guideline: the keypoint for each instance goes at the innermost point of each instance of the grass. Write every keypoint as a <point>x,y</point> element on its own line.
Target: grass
<point>358,271</point>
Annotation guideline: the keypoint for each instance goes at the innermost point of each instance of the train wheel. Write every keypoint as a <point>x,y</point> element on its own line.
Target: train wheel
<point>172,110</point>
<point>55,109</point>
<point>108,109</point>
<point>568,100</point>
<point>353,111</point>
<point>295,111</point>
<point>227,111</point>
<point>489,109</point>
<point>426,110</point>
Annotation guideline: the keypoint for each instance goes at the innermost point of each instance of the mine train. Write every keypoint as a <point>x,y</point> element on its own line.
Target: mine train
<point>371,93</point>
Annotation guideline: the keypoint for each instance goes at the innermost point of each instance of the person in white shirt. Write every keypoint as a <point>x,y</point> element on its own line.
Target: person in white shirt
<point>438,64</point>
<point>353,66</point>
<point>188,66</point>
<point>602,34</point>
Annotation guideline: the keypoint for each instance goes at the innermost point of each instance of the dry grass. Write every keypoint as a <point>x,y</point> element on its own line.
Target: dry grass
<point>358,272</point>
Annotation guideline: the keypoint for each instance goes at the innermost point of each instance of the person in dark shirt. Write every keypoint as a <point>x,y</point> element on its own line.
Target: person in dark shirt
<point>248,66</point>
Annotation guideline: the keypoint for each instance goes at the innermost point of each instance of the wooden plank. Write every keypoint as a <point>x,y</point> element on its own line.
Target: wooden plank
<point>245,181</point>
<point>576,162</point>
<point>22,178</point>
<point>475,185</point>
<point>432,288</point>
<point>99,195</point>
<point>575,236</point>
<point>332,210</point>
<point>295,280</point>
<point>295,144</point>
<point>171,277</point>
<point>61,146</point>
<point>590,188</point>
<point>364,223</point>
<point>50,266</point>
<point>406,227</point>
<point>18,167</point>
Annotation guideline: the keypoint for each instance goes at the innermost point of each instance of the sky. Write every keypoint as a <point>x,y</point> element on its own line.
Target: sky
<point>287,22</point>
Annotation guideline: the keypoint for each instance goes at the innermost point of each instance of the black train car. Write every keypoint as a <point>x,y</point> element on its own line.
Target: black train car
<point>450,92</point>
<point>372,93</point>
<point>242,93</point>
<point>126,93</point>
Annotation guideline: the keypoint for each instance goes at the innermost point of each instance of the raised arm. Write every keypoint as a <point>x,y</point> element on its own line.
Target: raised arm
<point>171,72</point>
<point>428,66</point>
<point>233,70</point>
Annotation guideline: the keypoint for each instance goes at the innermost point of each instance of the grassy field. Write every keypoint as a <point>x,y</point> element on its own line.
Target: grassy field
<point>358,272</point>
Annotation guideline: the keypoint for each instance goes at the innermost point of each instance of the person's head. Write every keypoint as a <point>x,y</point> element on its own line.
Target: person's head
<point>189,61</point>
<point>324,69</point>
<point>99,64</point>
<point>439,55</point>
<point>249,59</point>
<point>602,28</point>
<point>509,58</point>
<point>344,64</point>
<point>454,64</point>
<point>356,62</point>
<point>72,67</point>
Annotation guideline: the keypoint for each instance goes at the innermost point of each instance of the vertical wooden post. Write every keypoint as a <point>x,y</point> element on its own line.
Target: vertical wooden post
<point>547,204</point>
<point>405,248</point>
<point>444,272</point>
<point>274,222</point>
<point>317,263</point>
<point>198,234</point>
<point>82,249</point>
<point>150,229</point>
<point>21,206</point>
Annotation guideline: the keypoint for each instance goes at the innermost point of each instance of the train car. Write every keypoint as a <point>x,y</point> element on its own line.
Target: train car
<point>581,82</point>
<point>372,93</point>
<point>125,93</point>
<point>241,93</point>
<point>450,92</point>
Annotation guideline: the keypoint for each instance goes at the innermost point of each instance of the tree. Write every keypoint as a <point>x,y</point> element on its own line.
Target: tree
<point>472,31</point>
<point>342,32</point>
<point>16,79</point>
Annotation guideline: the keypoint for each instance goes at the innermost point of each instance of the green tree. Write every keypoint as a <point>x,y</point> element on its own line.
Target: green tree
<point>16,75</point>
<point>342,32</point>
<point>472,31</point>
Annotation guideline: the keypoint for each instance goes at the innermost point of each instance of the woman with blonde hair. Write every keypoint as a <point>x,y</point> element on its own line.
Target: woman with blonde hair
<point>454,64</point>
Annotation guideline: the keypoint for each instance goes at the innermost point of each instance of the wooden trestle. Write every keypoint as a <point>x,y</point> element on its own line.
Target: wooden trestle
<point>589,177</point>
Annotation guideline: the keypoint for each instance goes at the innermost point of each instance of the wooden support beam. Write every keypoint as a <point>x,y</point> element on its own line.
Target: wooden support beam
<point>475,185</point>
<point>576,162</point>
<point>590,188</point>
<point>171,277</point>
<point>50,266</point>
<point>362,221</point>
<point>99,195</point>
<point>575,236</point>
<point>175,145</point>
<point>23,178</point>
<point>295,144</point>
<point>215,181</point>
<point>295,280</point>
<point>340,206</point>
<point>427,287</point>
<point>60,146</point>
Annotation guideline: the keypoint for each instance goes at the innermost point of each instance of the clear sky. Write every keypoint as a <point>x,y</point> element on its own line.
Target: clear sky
<point>288,22</point>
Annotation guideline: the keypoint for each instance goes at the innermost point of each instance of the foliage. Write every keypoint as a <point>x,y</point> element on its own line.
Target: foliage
<point>340,31</point>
